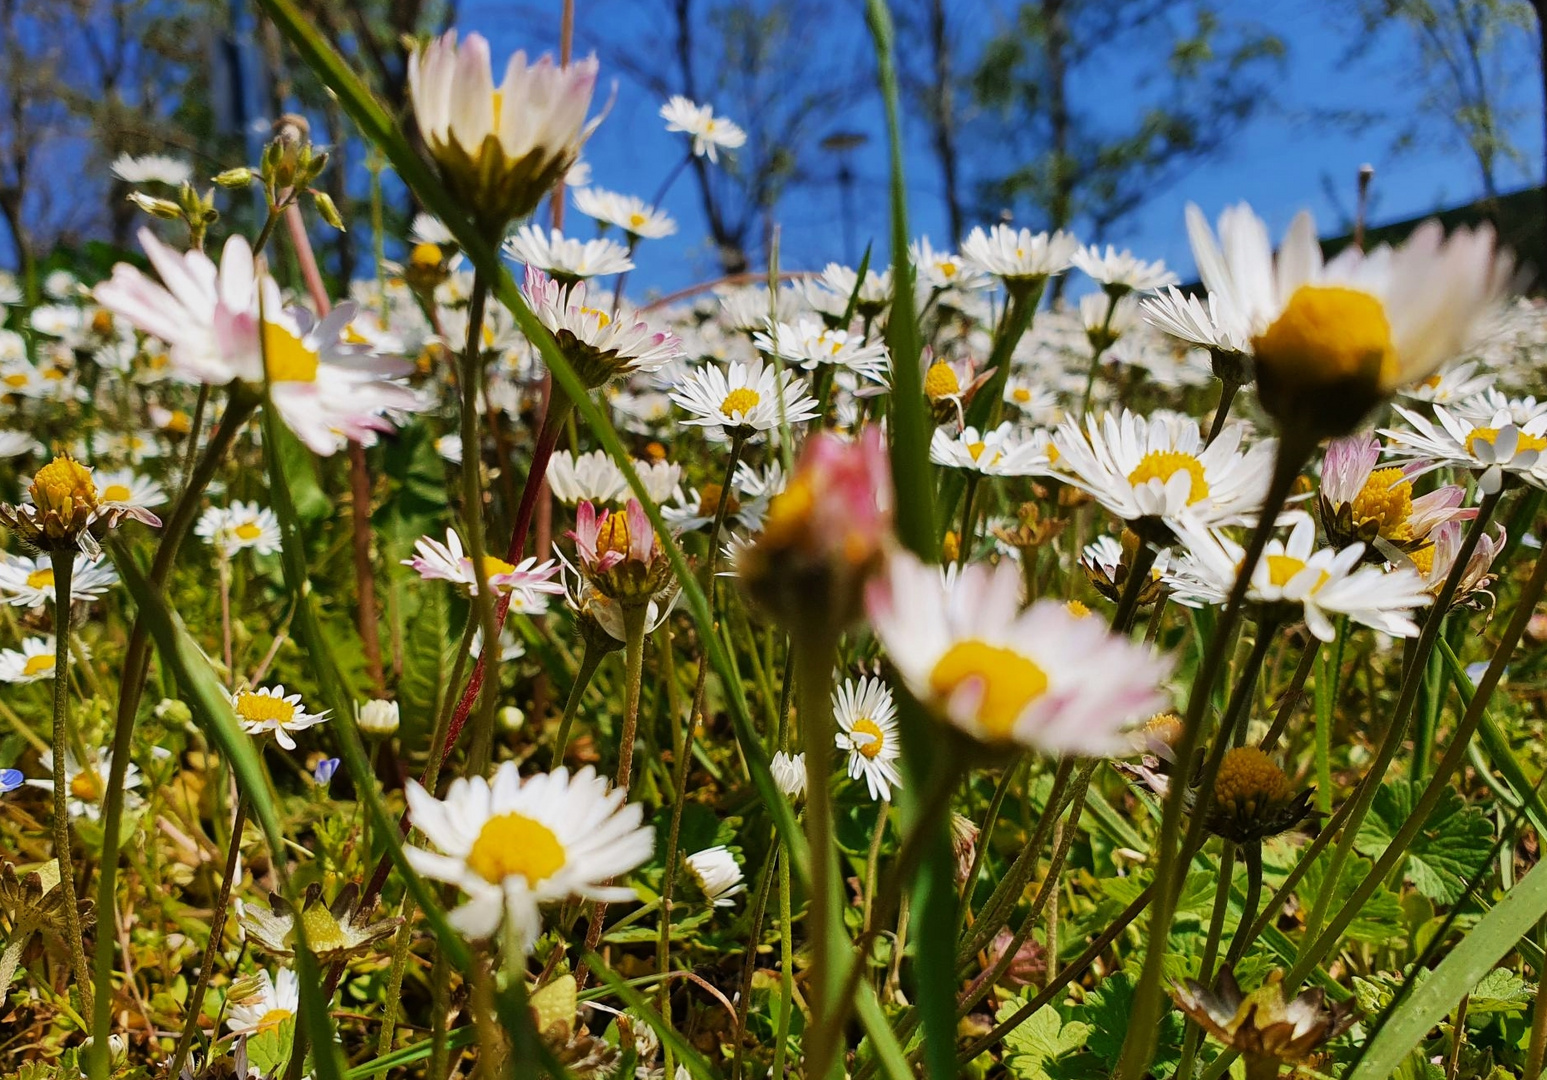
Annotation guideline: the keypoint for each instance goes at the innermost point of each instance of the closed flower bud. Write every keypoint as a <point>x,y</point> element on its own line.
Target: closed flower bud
<point>379,719</point>
<point>235,178</point>
<point>327,210</point>
<point>161,208</point>
<point>511,719</point>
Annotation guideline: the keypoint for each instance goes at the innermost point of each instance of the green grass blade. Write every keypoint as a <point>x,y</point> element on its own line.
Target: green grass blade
<point>894,1063</point>
<point>1496,746</point>
<point>690,1058</point>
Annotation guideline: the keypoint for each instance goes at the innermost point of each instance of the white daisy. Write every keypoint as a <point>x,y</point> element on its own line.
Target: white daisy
<point>708,131</point>
<point>743,401</point>
<point>867,722</point>
<point>88,785</point>
<point>627,212</point>
<point>1160,469</point>
<point>240,526</point>
<point>1041,677</point>
<point>152,169</point>
<point>993,453</point>
<point>600,346</point>
<point>939,270</point>
<point>830,292</point>
<point>587,478</point>
<point>270,709</point>
<point>265,1004</point>
<point>1204,322</point>
<point>748,307</point>
<point>1491,401</point>
<point>28,582</point>
<point>1493,448</point>
<point>1121,271</point>
<point>717,875</point>
<point>35,661</point>
<point>429,229</point>
<point>512,845</point>
<point>1435,562</point>
<point>810,344</point>
<point>435,561</point>
<point>501,149</point>
<point>566,258</point>
<point>449,447</point>
<point>17,443</point>
<point>659,478</point>
<point>1453,384</point>
<point>694,509</point>
<point>1331,340</point>
<point>1019,257</point>
<point>125,488</point>
<point>1317,582</point>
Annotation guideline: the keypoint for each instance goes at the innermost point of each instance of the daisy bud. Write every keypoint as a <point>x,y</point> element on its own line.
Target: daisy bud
<point>161,208</point>
<point>327,211</point>
<point>1253,799</point>
<point>789,773</point>
<point>499,148</point>
<point>823,536</point>
<point>379,719</point>
<point>235,178</point>
<point>717,875</point>
<point>511,719</point>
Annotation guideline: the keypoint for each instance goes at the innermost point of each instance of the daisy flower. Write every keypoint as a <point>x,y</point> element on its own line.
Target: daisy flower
<point>717,875</point>
<point>1041,677</point>
<point>810,344</point>
<point>17,443</point>
<point>696,509</point>
<point>270,709</point>
<point>587,478</point>
<point>435,561</point>
<point>263,1004</point>
<point>993,453</point>
<point>87,784</point>
<point>749,308</point>
<point>830,292</point>
<point>35,661</point>
<point>867,722</point>
<point>789,774</point>
<point>630,213</point>
<point>1359,502</point>
<point>659,478</point>
<point>500,149</point>
<point>125,488</point>
<point>620,553</point>
<point>944,269</point>
<point>1493,448</point>
<point>1159,469</point>
<point>513,845</point>
<point>64,509</point>
<point>709,132</point>
<point>1121,272</point>
<point>567,259</point>
<point>744,400</point>
<point>240,526</point>
<point>152,169</point>
<point>1332,340</point>
<point>599,346</point>
<point>28,582</point>
<point>1106,562</point>
<point>1313,583</point>
<point>1435,562</point>
<point>1019,257</point>
<point>1454,384</point>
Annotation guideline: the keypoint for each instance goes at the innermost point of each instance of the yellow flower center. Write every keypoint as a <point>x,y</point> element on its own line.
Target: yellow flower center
<point>613,535</point>
<point>940,381</point>
<point>635,220</point>
<point>288,358</point>
<point>1386,498</point>
<point>947,268</point>
<point>709,501</point>
<point>1283,568</point>
<point>499,108</point>
<point>1328,333</point>
<point>1523,442</point>
<point>1423,559</point>
<point>866,726</point>
<point>425,256</point>
<point>41,579</point>
<point>1021,395</point>
<point>116,493</point>
<point>323,932</point>
<point>263,708</point>
<point>63,485</point>
<point>37,665</point>
<point>950,547</point>
<point>494,567</point>
<point>1249,780</point>
<point>789,513</point>
<point>602,318</point>
<point>16,379</point>
<point>179,422</point>
<point>273,1019</point>
<point>248,531</point>
<point>102,322</point>
<point>1162,465</point>
<point>513,844</point>
<point>1167,727</point>
<point>1077,609</point>
<point>87,785</point>
<point>1009,681</point>
<point>741,400</point>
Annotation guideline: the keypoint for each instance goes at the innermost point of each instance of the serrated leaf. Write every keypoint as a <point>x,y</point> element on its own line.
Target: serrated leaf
<point>268,1049</point>
<point>1501,990</point>
<point>1032,1049</point>
<point>1107,1010</point>
<point>1446,852</point>
<point>1378,921</point>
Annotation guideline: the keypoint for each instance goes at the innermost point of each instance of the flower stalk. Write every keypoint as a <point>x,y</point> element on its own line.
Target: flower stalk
<point>63,560</point>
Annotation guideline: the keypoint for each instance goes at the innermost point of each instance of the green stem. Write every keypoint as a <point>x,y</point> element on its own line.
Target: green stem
<point>1291,696</point>
<point>400,947</point>
<point>814,653</point>
<point>1140,1043</point>
<point>217,933</point>
<point>1397,727</point>
<point>472,512</point>
<point>765,881</point>
<point>1133,588</point>
<point>1227,391</point>
<point>64,567</point>
<point>590,659</point>
<point>985,831</point>
<point>1253,855</point>
<point>633,677</point>
<point>964,536</point>
<point>1184,1069</point>
<point>786,966</point>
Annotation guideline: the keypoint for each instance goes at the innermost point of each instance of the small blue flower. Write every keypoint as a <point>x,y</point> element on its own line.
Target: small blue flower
<point>324,771</point>
<point>10,780</point>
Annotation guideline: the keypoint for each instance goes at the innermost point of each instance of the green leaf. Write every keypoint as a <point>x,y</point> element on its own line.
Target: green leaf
<point>1034,1047</point>
<point>268,1050</point>
<point>1106,1011</point>
<point>1448,850</point>
<point>1495,934</point>
<point>311,505</point>
<point>1501,990</point>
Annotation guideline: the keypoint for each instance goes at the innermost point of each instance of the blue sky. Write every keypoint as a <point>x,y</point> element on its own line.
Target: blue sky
<point>1278,164</point>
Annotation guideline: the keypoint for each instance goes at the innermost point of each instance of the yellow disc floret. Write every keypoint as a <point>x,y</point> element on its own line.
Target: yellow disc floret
<point>287,357</point>
<point>263,708</point>
<point>1283,568</point>
<point>1008,682</point>
<point>740,401</point>
<point>1387,499</point>
<point>37,665</point>
<point>940,381</point>
<point>1523,441</point>
<point>1077,609</point>
<point>86,785</point>
<point>1162,465</point>
<point>1328,333</point>
<point>1249,781</point>
<point>877,741</point>
<point>62,486</point>
<point>613,535</point>
<point>513,844</point>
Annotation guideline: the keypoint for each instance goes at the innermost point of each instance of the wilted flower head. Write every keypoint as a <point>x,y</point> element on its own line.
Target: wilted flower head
<point>334,931</point>
<point>823,535</point>
<point>500,149</point>
<point>1262,1026</point>
<point>1253,799</point>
